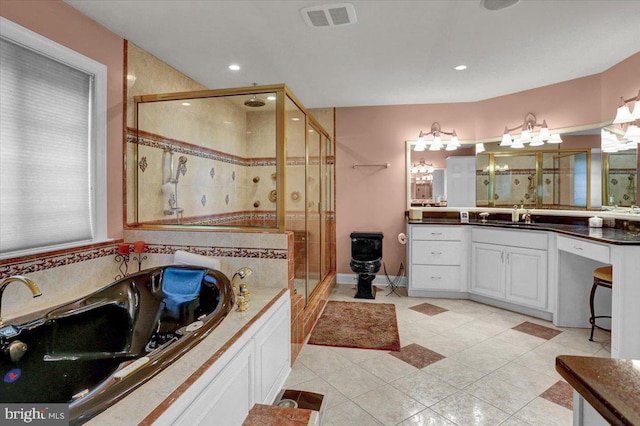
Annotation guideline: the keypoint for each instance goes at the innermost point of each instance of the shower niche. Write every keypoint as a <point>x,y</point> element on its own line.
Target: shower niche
<point>244,158</point>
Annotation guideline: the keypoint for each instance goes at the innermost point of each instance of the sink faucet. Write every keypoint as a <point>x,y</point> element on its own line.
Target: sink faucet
<point>19,278</point>
<point>527,216</point>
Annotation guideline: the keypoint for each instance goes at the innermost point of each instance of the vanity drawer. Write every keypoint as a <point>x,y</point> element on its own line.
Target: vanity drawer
<point>425,277</point>
<point>507,237</point>
<point>437,233</point>
<point>436,252</point>
<point>584,248</point>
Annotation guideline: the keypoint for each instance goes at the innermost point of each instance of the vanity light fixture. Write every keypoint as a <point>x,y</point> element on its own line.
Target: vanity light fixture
<point>437,143</point>
<point>624,114</point>
<point>479,148</point>
<point>526,134</point>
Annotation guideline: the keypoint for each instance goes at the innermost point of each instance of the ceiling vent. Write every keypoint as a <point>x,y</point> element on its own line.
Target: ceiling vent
<point>329,15</point>
<point>498,4</point>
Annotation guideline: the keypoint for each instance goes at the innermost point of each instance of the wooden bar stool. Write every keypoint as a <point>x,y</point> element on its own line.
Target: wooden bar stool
<point>601,278</point>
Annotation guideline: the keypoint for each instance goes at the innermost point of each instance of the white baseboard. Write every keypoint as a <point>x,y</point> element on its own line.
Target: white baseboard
<point>379,280</point>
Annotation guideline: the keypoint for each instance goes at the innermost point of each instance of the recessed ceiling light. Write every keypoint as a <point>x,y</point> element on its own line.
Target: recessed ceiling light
<point>460,67</point>
<point>186,104</point>
<point>234,67</point>
<point>271,98</point>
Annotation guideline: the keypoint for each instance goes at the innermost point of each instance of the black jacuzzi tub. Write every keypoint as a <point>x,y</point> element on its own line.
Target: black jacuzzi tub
<point>93,351</point>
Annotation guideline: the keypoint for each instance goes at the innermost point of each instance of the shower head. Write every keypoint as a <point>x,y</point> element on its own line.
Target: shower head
<point>254,102</point>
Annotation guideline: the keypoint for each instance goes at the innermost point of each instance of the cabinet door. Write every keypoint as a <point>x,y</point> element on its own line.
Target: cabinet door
<point>227,399</point>
<point>273,351</point>
<point>526,276</point>
<point>488,270</point>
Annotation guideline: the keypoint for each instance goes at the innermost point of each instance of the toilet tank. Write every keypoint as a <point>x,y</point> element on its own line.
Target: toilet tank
<point>366,246</point>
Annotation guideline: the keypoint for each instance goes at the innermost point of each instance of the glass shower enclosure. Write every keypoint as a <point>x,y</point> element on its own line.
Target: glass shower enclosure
<point>241,158</point>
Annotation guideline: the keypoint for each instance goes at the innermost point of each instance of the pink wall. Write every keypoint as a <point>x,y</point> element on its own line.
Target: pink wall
<point>374,198</point>
<point>61,23</point>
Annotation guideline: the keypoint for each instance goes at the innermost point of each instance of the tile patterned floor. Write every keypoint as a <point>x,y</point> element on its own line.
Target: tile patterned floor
<point>461,363</point>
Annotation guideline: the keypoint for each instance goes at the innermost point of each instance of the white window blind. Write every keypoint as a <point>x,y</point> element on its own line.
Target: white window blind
<point>47,110</point>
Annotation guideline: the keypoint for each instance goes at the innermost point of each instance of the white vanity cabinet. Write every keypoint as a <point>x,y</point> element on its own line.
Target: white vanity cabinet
<point>437,260</point>
<point>510,266</point>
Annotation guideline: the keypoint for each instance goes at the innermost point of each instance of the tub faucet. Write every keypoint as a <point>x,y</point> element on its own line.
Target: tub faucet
<point>19,278</point>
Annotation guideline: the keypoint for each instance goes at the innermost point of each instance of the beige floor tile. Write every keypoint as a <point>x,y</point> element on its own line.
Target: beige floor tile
<point>520,339</point>
<point>524,378</point>
<point>464,409</point>
<point>502,348</point>
<point>356,355</point>
<point>500,394</point>
<point>578,338</point>
<point>541,412</point>
<point>454,372</point>
<point>424,388</point>
<point>449,319</point>
<point>426,418</point>
<point>388,405</point>
<point>513,421</point>
<point>413,333</point>
<point>492,374</point>
<point>353,381</point>
<point>443,345</point>
<point>322,359</point>
<point>387,367</point>
<point>299,374</point>
<point>480,360</point>
<point>348,413</point>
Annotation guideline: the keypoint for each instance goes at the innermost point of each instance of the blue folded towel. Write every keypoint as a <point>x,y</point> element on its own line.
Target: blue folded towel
<point>181,286</point>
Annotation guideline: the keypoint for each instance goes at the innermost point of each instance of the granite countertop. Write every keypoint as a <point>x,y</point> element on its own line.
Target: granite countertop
<point>606,235</point>
<point>611,386</point>
<point>145,404</point>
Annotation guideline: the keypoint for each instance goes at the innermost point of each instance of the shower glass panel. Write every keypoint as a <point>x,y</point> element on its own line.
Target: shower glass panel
<point>295,194</point>
<point>515,180</point>
<point>207,161</point>
<point>314,228</point>
<point>326,210</point>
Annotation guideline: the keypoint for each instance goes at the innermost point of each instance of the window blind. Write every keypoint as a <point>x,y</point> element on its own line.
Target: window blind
<point>45,150</point>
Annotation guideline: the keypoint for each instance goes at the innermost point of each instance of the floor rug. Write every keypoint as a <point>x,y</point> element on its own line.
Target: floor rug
<point>357,325</point>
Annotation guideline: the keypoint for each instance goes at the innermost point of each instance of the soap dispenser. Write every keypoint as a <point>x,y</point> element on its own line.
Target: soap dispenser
<point>515,214</point>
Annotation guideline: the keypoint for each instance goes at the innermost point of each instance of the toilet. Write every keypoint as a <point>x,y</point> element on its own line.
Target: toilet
<point>366,256</point>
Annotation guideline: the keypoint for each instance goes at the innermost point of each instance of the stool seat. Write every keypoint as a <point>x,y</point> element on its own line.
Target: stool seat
<point>604,273</point>
<point>602,277</point>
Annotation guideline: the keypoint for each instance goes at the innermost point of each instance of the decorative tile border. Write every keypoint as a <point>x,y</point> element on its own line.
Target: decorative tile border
<point>281,254</point>
<point>27,265</point>
<point>152,140</point>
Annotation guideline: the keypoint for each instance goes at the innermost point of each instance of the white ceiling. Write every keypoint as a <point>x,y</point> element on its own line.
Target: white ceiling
<point>398,52</point>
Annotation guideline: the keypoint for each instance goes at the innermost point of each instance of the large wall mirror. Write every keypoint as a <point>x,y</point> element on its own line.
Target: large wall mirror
<point>620,169</point>
<point>582,173</point>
